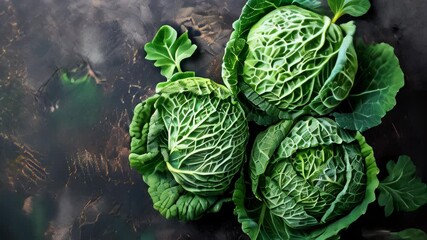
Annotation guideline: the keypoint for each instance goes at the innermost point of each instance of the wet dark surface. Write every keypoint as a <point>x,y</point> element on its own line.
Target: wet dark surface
<point>64,171</point>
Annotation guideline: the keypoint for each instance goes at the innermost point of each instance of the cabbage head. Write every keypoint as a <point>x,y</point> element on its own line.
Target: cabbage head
<point>287,60</point>
<point>309,179</point>
<point>188,141</point>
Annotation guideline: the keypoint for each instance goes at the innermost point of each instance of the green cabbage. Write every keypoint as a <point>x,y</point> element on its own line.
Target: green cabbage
<point>286,59</point>
<point>298,62</point>
<point>188,141</point>
<point>309,179</point>
<point>290,61</point>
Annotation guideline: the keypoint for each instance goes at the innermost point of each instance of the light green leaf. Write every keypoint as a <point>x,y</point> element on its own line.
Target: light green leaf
<point>402,190</point>
<point>355,8</point>
<point>378,80</point>
<point>231,63</point>
<point>409,234</point>
<point>265,146</point>
<point>167,51</point>
<point>337,86</point>
<point>182,75</point>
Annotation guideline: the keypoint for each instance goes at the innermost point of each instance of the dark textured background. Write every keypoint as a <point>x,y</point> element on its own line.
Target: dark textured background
<point>54,182</point>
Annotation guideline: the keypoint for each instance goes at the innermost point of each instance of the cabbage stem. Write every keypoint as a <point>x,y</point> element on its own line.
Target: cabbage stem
<point>337,15</point>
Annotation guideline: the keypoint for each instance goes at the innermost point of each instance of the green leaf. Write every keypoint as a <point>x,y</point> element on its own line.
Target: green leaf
<point>355,8</point>
<point>256,219</point>
<point>196,85</point>
<point>265,146</point>
<point>402,190</point>
<point>409,234</point>
<point>338,85</point>
<point>231,63</point>
<point>172,201</point>
<point>378,81</point>
<point>182,75</point>
<point>254,10</point>
<point>144,147</point>
<point>167,51</point>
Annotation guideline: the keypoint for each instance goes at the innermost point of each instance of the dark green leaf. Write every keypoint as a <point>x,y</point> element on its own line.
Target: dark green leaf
<point>402,190</point>
<point>353,8</point>
<point>256,219</point>
<point>144,154</point>
<point>409,234</point>
<point>378,80</point>
<point>167,51</point>
<point>172,201</point>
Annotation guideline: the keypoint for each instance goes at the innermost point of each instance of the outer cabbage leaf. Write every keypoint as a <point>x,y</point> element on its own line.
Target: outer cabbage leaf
<point>341,78</point>
<point>265,146</point>
<point>377,83</point>
<point>355,8</point>
<point>194,85</point>
<point>139,133</point>
<point>256,219</point>
<point>254,10</point>
<point>188,142</point>
<point>314,147</point>
<point>173,201</point>
<point>401,190</point>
